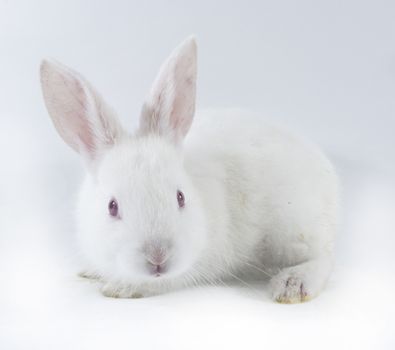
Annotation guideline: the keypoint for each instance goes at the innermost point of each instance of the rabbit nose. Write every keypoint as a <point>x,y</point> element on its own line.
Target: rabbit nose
<point>156,258</point>
<point>157,264</point>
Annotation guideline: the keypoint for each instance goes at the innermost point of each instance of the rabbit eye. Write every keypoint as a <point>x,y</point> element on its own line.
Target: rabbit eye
<point>113,208</point>
<point>180,199</point>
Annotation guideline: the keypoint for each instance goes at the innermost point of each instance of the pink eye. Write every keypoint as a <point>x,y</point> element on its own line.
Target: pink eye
<point>180,199</point>
<point>113,208</point>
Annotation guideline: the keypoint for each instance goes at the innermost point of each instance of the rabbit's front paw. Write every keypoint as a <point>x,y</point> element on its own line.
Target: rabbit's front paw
<point>113,290</point>
<point>289,289</point>
<point>87,274</point>
<point>302,282</point>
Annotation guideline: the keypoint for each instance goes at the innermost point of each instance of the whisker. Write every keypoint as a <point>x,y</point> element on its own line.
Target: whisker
<point>243,282</point>
<point>257,268</point>
<point>211,280</point>
<point>262,269</point>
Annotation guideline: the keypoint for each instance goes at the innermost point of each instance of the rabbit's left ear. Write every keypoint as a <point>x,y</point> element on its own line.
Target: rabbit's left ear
<point>170,106</point>
<point>79,114</point>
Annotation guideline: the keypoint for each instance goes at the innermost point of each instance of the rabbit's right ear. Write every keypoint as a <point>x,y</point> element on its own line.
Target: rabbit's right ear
<point>170,106</point>
<point>79,114</point>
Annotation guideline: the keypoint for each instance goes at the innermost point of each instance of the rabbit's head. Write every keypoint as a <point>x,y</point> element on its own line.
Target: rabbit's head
<point>140,215</point>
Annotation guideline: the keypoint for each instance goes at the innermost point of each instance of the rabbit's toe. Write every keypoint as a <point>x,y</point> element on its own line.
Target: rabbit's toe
<point>288,289</point>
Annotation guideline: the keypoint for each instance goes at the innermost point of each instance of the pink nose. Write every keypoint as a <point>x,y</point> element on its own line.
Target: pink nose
<point>156,269</point>
<point>157,257</point>
<point>156,260</point>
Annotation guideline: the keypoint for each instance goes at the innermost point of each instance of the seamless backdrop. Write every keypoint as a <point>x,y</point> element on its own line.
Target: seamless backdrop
<point>323,68</point>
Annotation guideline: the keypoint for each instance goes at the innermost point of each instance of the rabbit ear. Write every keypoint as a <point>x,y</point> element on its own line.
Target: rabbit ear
<point>80,116</point>
<point>170,106</point>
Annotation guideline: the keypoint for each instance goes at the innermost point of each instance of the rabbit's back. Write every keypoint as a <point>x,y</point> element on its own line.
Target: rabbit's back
<point>280,192</point>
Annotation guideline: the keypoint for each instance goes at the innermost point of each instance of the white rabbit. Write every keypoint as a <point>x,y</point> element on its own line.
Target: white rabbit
<point>171,206</point>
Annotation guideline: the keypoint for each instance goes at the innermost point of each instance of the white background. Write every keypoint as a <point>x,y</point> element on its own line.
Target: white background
<point>325,68</point>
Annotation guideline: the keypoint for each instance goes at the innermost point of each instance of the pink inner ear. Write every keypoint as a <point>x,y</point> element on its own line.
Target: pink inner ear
<point>184,94</point>
<point>83,126</point>
<point>74,124</point>
<point>170,108</point>
<point>181,115</point>
<point>79,114</point>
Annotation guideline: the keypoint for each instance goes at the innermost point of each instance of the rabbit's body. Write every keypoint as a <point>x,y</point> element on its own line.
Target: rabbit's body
<point>235,196</point>
<point>275,198</point>
<point>278,193</point>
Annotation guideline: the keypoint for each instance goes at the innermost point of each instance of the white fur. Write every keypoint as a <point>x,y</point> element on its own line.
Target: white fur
<point>257,198</point>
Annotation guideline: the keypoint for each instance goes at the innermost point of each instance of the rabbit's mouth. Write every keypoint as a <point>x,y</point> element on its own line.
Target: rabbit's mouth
<point>157,270</point>
<point>157,255</point>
